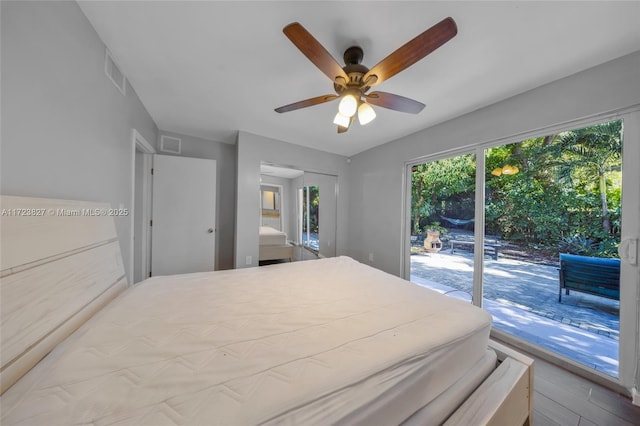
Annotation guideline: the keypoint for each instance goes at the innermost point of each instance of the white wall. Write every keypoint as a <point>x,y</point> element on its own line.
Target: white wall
<point>66,129</point>
<point>225,155</point>
<point>252,149</point>
<point>376,175</point>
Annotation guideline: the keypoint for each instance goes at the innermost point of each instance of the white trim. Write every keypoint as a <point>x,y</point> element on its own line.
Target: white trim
<point>478,250</point>
<point>405,235</point>
<point>145,260</point>
<point>405,256</point>
<point>629,344</point>
<point>139,142</point>
<point>519,137</point>
<point>299,214</point>
<point>142,143</point>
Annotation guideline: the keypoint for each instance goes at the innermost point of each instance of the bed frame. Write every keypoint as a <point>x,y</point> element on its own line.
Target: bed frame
<point>506,395</point>
<point>60,263</point>
<point>268,252</point>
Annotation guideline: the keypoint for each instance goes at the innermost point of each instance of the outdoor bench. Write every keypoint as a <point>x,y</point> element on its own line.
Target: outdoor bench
<point>492,244</point>
<point>594,275</point>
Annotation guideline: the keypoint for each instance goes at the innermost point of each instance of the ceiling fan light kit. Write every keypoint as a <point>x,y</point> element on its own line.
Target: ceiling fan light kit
<point>366,114</point>
<point>352,82</point>
<point>348,105</point>
<point>341,120</point>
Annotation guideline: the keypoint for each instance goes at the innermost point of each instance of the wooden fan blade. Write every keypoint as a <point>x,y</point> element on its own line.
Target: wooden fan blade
<point>412,51</point>
<point>315,52</point>
<point>394,102</point>
<point>306,103</point>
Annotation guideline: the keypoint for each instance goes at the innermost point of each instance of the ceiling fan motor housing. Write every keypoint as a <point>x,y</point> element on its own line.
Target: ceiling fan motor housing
<point>353,55</point>
<point>354,70</point>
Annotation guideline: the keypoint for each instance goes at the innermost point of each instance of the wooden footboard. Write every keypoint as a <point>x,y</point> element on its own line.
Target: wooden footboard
<point>505,397</point>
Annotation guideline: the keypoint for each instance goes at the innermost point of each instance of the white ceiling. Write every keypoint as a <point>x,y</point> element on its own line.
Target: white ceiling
<point>209,69</point>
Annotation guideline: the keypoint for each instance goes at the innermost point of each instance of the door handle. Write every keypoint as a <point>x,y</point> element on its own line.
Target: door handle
<point>210,230</point>
<point>628,250</point>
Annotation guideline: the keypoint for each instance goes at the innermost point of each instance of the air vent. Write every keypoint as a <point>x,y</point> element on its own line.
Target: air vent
<point>112,71</point>
<point>170,144</point>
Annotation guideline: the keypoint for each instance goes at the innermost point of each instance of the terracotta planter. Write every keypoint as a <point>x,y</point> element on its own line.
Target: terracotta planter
<point>432,243</point>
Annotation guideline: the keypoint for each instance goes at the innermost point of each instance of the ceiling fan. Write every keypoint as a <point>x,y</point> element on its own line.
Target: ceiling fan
<point>353,81</point>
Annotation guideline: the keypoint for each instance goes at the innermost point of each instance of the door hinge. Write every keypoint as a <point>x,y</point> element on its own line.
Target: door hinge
<point>152,170</point>
<point>151,222</point>
<point>149,274</point>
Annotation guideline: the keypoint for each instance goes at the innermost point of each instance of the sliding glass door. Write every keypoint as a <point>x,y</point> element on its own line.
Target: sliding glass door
<point>537,201</point>
<point>549,197</point>
<point>310,217</point>
<point>443,223</point>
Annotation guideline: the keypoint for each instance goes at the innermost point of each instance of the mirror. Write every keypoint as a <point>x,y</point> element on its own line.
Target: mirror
<point>298,213</point>
<point>270,206</point>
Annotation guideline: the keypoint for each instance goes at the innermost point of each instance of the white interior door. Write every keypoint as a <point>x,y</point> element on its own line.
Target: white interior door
<point>184,200</point>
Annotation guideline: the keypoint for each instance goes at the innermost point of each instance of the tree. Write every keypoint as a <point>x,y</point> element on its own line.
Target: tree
<point>596,149</point>
<point>438,181</point>
<point>528,207</point>
<point>566,193</point>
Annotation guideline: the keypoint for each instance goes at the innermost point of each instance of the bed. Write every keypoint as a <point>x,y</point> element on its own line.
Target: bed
<point>274,245</point>
<point>348,344</point>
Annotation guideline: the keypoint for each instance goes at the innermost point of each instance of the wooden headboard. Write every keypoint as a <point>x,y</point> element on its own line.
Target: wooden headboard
<point>60,262</point>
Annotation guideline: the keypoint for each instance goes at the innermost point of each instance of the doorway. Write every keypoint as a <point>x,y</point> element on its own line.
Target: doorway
<point>142,163</point>
<point>184,215</point>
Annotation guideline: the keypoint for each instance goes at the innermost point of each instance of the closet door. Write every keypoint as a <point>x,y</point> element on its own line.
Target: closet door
<point>184,206</point>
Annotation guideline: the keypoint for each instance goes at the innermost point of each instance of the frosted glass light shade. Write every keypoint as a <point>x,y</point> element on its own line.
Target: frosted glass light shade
<point>348,105</point>
<point>366,114</point>
<point>341,120</point>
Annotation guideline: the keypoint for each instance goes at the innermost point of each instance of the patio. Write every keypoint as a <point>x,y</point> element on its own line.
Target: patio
<point>522,297</point>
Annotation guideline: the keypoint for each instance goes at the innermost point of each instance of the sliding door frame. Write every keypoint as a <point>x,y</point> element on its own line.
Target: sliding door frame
<point>628,380</point>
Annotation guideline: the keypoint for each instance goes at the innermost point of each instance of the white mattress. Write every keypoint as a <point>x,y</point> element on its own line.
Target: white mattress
<point>316,342</point>
<point>272,237</point>
<point>439,409</point>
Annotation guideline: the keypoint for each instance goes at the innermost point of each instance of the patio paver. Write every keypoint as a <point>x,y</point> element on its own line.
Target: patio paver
<point>523,299</point>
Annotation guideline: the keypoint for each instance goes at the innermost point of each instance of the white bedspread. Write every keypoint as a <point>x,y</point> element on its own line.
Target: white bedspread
<point>313,342</point>
<point>272,237</point>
